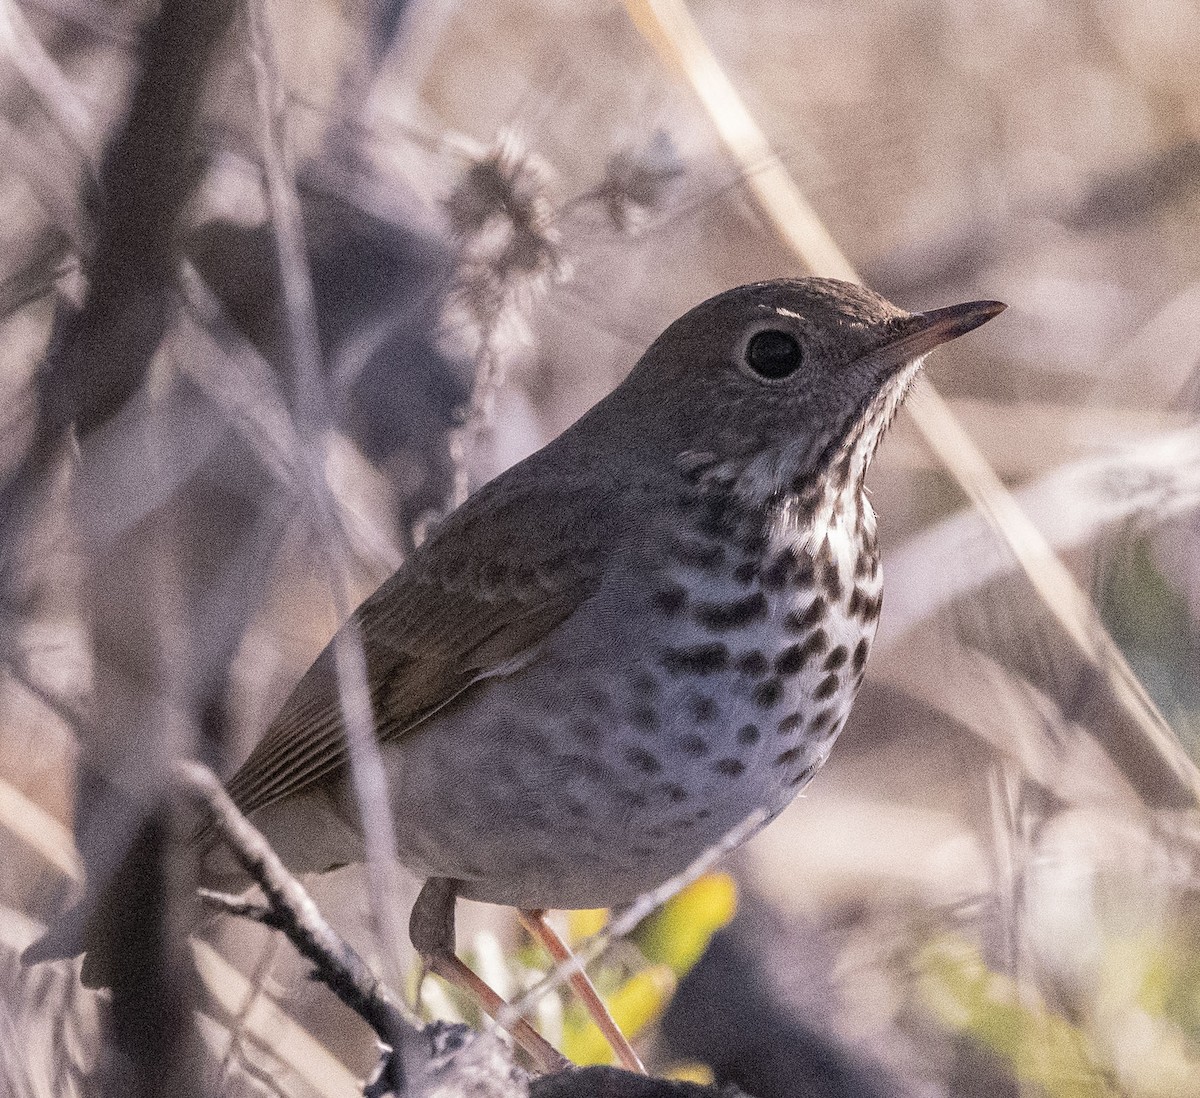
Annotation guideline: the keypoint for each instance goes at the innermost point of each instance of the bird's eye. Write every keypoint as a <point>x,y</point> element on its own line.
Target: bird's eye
<point>773,354</point>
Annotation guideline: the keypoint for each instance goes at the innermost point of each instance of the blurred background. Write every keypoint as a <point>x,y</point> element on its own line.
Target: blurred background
<point>281,281</point>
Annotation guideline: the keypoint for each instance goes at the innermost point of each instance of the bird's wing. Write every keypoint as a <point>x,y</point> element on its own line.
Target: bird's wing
<point>474,602</point>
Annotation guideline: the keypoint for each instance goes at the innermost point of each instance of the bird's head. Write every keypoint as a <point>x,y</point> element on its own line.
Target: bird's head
<point>789,379</point>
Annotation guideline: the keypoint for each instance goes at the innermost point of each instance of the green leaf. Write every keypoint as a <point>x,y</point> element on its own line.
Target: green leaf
<point>1039,1046</point>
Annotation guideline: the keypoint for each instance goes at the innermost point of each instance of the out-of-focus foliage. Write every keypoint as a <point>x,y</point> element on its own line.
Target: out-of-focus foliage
<point>1152,620</point>
<point>679,932</point>
<point>671,941</point>
<point>990,887</point>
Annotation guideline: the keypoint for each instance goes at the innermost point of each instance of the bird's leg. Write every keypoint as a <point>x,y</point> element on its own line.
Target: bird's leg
<point>560,952</point>
<point>431,928</point>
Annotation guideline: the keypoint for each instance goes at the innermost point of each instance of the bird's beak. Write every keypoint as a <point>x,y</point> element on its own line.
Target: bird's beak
<point>920,333</point>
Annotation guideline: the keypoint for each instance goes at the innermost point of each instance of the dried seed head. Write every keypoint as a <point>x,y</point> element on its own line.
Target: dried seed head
<point>637,181</point>
<point>503,215</point>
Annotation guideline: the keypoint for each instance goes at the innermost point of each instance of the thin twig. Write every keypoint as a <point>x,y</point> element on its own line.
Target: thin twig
<point>625,923</point>
<point>241,907</point>
<point>312,410</point>
<point>291,909</point>
<point>270,1029</point>
<point>1151,482</point>
<point>669,27</point>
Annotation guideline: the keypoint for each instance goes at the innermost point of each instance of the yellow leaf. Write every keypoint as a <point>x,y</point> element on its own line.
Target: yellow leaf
<point>1039,1046</point>
<point>692,1072</point>
<point>679,934</point>
<point>585,923</point>
<point>636,1004</point>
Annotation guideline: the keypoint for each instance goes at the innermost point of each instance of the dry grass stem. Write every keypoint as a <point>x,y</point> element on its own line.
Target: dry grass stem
<point>312,410</point>
<point>270,1028</point>
<point>1151,483</point>
<point>669,27</point>
<point>1052,580</point>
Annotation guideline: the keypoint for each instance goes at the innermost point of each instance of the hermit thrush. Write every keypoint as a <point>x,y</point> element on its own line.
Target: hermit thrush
<point>616,650</point>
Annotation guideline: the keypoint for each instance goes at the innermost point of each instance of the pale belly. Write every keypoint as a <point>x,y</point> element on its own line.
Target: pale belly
<point>604,767</point>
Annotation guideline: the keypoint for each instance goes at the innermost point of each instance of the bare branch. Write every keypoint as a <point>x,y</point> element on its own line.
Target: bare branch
<point>291,909</point>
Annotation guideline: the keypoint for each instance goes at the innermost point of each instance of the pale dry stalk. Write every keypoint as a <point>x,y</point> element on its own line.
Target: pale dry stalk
<point>311,411</point>
<point>669,27</point>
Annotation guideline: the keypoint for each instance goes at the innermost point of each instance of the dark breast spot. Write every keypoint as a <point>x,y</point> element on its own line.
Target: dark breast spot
<point>822,720</point>
<point>642,760</point>
<point>860,655</point>
<point>748,734</point>
<point>836,658</point>
<point>703,709</point>
<point>575,807</point>
<point>791,569</point>
<point>802,775</point>
<point>595,699</point>
<point>790,723</point>
<point>792,659</point>
<point>674,792</point>
<point>775,575</point>
<point>752,663</point>
<point>863,606</point>
<point>586,731</point>
<point>831,579</point>
<point>796,656</point>
<point>644,684</point>
<point>719,518</point>
<point>729,767</point>
<point>693,745</point>
<point>870,609</point>
<point>700,659</point>
<point>797,622</point>
<point>752,540</point>
<point>789,756</point>
<point>644,718</point>
<point>826,688</point>
<point>532,740</point>
<point>732,615</point>
<point>745,572</point>
<point>767,694</point>
<point>670,600</point>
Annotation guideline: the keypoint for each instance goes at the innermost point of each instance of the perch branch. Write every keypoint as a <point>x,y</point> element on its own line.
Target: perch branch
<point>289,908</point>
